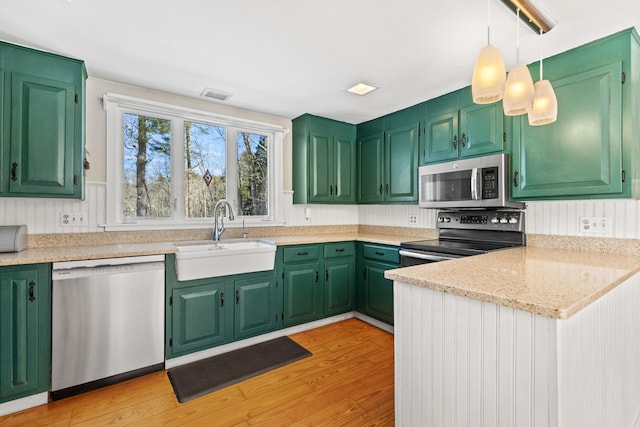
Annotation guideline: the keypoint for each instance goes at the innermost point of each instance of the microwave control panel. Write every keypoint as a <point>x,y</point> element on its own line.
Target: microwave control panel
<point>490,183</point>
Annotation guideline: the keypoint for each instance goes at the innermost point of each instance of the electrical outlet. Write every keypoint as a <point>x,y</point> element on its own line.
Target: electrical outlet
<point>73,219</point>
<point>594,224</point>
<point>413,219</point>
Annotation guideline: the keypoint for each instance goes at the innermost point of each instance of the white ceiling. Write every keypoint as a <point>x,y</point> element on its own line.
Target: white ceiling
<point>289,57</point>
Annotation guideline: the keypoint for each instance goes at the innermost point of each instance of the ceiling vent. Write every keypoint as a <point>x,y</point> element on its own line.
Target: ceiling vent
<point>218,95</point>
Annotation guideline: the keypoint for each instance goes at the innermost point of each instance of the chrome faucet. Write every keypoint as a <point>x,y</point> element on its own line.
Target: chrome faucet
<point>217,232</point>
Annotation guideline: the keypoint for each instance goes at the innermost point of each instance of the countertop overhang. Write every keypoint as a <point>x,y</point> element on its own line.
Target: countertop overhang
<point>553,283</point>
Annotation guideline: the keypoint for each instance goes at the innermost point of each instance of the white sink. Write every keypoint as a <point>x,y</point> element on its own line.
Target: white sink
<point>197,261</point>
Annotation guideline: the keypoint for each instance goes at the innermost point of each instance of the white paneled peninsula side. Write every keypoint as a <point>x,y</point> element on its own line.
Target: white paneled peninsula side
<point>521,337</point>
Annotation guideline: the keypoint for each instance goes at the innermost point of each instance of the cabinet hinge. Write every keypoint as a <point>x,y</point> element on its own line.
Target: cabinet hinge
<point>504,137</point>
<point>170,342</point>
<point>624,77</point>
<point>76,98</point>
<point>171,300</point>
<point>624,176</point>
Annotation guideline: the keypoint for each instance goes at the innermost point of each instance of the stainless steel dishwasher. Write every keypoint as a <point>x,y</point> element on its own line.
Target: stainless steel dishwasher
<point>107,322</point>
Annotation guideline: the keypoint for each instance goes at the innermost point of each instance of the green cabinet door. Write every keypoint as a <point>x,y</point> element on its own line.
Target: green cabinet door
<point>254,305</point>
<point>581,153</point>
<point>370,170</point>
<point>442,137</point>
<point>401,164</point>
<point>344,170</point>
<point>481,130</point>
<point>42,136</point>
<point>302,292</point>
<point>378,291</point>
<point>200,318</point>
<point>339,285</point>
<point>25,330</point>
<point>320,168</point>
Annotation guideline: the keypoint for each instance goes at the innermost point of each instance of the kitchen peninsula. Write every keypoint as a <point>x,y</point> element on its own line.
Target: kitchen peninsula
<point>527,336</point>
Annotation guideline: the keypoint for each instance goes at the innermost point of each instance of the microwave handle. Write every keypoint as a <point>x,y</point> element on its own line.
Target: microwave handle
<point>474,184</point>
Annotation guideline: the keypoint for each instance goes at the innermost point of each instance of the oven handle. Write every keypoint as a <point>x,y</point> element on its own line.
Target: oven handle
<point>427,257</point>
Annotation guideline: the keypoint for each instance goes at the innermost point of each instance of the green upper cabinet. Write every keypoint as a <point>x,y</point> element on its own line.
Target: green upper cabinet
<point>388,157</point>
<point>458,128</point>
<point>324,161</point>
<point>25,330</point>
<point>588,151</point>
<point>42,124</point>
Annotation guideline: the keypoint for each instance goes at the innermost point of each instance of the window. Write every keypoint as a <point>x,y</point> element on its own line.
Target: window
<point>168,165</point>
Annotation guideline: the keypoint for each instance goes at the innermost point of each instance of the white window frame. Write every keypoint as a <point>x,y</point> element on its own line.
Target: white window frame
<point>117,105</point>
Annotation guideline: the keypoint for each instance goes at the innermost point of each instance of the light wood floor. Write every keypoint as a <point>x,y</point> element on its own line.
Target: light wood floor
<point>348,381</point>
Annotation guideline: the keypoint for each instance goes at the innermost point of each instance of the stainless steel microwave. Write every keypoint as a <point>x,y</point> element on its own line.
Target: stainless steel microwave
<point>480,182</point>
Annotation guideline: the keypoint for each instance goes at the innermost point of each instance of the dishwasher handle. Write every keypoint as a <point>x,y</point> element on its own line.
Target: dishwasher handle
<point>107,262</point>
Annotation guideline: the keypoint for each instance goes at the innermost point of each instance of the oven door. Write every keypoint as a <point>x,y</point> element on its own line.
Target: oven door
<point>410,257</point>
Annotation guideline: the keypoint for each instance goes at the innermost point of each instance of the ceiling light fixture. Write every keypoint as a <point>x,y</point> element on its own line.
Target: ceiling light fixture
<point>489,75</point>
<point>532,14</point>
<point>361,88</point>
<point>518,90</point>
<point>545,104</point>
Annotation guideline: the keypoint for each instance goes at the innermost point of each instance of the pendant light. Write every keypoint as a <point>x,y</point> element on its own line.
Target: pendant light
<point>489,75</point>
<point>518,92</point>
<point>545,104</point>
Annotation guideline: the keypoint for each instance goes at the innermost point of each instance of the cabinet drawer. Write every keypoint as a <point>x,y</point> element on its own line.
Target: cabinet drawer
<point>333,250</point>
<point>381,253</point>
<point>302,253</point>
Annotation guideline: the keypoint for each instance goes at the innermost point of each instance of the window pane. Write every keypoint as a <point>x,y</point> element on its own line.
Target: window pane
<point>205,168</point>
<point>253,187</point>
<point>147,167</point>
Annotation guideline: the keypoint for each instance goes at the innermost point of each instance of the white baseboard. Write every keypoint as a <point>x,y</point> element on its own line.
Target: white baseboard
<point>23,403</point>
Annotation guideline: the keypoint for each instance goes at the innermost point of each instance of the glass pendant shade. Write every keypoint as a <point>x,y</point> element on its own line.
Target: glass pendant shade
<point>489,76</point>
<point>545,104</point>
<point>518,91</point>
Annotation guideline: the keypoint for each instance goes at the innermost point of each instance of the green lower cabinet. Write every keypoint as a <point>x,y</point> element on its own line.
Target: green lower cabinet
<point>339,277</point>
<point>205,313</point>
<point>25,330</point>
<point>200,317</point>
<point>302,292</point>
<point>255,311</point>
<point>374,293</point>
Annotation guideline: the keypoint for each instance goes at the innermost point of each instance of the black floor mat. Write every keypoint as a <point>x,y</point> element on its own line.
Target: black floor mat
<point>204,376</point>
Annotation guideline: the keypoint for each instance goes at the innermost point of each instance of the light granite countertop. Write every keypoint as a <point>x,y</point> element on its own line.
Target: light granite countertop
<point>555,283</point>
<point>83,252</point>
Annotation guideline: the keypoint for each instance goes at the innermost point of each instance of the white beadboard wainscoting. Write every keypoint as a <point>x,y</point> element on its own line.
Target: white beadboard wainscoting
<point>462,362</point>
<point>42,216</point>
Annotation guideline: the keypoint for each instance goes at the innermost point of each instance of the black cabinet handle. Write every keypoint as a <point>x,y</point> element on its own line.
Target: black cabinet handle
<point>380,253</point>
<point>381,189</point>
<point>326,275</point>
<point>455,142</point>
<point>221,299</point>
<point>515,178</point>
<point>365,274</point>
<point>317,276</point>
<point>331,190</point>
<point>463,140</point>
<point>303,253</point>
<point>340,250</point>
<point>14,172</point>
<point>387,188</point>
<point>237,296</point>
<point>32,291</point>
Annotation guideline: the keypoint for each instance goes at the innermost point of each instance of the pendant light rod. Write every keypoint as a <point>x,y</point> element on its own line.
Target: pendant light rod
<point>541,54</point>
<point>533,15</point>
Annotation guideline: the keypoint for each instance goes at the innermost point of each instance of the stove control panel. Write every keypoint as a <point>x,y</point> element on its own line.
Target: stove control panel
<point>507,220</point>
